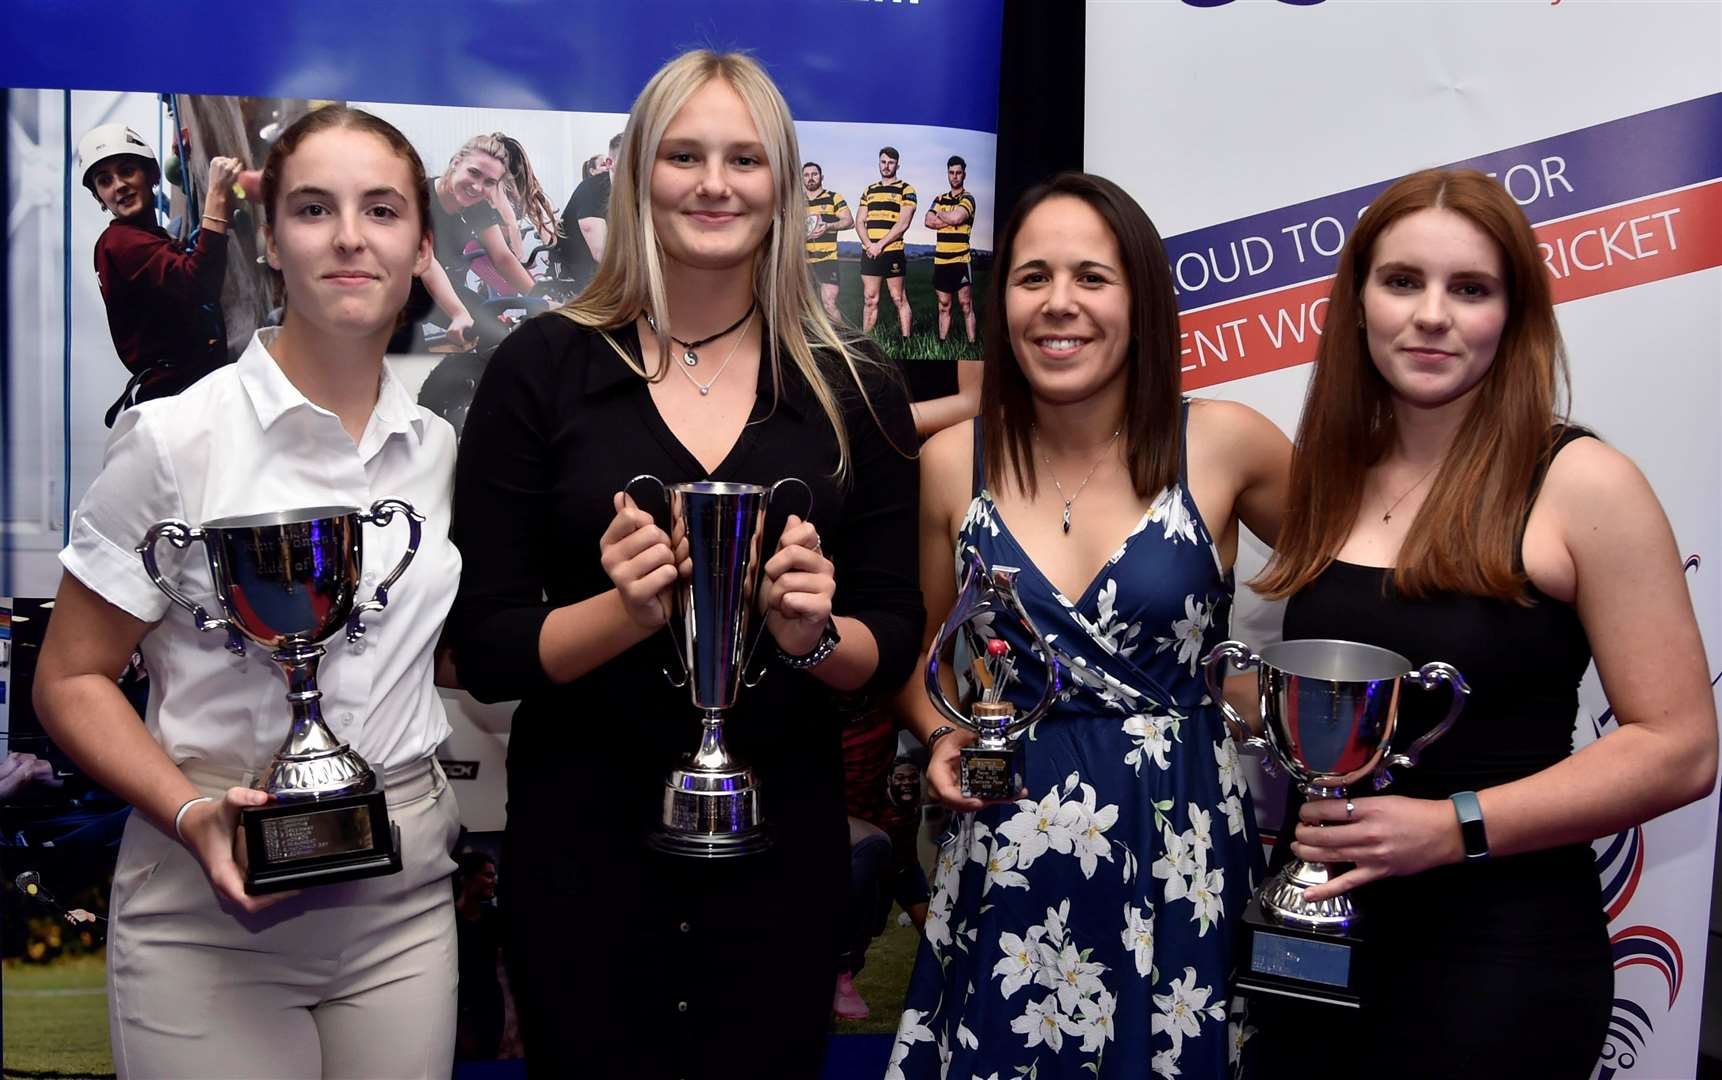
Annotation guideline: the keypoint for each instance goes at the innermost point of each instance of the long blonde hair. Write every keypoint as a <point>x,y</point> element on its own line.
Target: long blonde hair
<point>630,276</point>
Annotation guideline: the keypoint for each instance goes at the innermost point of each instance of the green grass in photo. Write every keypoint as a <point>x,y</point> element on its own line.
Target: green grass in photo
<point>884,980</point>
<point>923,342</point>
<point>56,1019</point>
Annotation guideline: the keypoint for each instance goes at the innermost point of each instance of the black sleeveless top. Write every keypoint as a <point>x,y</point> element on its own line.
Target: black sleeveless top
<point>1523,663</point>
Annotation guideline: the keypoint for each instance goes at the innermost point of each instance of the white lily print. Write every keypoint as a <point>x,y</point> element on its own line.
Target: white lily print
<point>1073,978</point>
<point>1139,937</point>
<point>1154,736</point>
<point>1182,1010</point>
<point>1189,632</point>
<point>1226,759</point>
<point>1165,1062</point>
<point>1200,834</point>
<point>1097,1029</point>
<point>965,1037</point>
<point>1234,808</point>
<point>1238,1032</point>
<point>1000,872</point>
<point>1205,890</point>
<point>981,512</point>
<point>1043,1023</point>
<point>1089,839</point>
<point>1020,962</point>
<point>1037,827</point>
<point>910,1031</point>
<point>1176,865</point>
<point>1169,511</point>
<point>1111,633</point>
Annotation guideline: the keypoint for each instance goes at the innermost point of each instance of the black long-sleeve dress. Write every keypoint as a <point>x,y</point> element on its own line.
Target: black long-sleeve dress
<point>626,962</point>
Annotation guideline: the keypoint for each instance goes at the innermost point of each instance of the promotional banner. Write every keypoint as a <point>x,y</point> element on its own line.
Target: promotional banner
<point>515,108</point>
<point>1276,125</point>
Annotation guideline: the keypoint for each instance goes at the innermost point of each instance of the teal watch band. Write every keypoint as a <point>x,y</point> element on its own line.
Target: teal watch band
<point>1471,830</point>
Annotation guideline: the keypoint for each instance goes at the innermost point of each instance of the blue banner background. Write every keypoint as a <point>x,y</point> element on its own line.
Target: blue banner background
<point>887,61</point>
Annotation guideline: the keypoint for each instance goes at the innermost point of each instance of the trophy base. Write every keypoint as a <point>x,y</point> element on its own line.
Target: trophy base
<point>296,845</point>
<point>1287,960</point>
<point>703,820</point>
<point>709,846</point>
<point>992,774</point>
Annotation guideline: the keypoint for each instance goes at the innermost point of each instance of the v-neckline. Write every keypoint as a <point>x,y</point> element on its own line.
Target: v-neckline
<point>671,443</point>
<point>1094,583</point>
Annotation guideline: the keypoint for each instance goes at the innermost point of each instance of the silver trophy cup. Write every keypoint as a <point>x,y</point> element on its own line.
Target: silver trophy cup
<point>990,768</point>
<point>711,806</point>
<point>288,582</point>
<point>1330,711</point>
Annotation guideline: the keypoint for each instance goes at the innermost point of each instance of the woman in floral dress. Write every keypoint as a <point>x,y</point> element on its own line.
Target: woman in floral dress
<point>1085,928</point>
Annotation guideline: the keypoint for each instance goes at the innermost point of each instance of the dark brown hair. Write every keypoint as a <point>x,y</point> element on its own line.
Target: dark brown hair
<point>1465,538</point>
<point>328,118</point>
<point>1152,433</point>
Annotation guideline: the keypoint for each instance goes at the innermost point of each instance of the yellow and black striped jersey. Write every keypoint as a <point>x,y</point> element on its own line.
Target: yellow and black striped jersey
<point>953,247</point>
<point>827,206</point>
<point>883,203</point>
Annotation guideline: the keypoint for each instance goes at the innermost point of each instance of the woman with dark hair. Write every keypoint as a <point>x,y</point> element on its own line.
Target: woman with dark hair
<point>1088,925</point>
<point>1442,507</point>
<point>699,352</point>
<point>205,980</point>
<point>478,926</point>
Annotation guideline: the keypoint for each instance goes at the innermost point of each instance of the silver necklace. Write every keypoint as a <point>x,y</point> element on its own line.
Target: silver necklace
<point>691,357</point>
<point>1068,499</point>
<point>705,388</point>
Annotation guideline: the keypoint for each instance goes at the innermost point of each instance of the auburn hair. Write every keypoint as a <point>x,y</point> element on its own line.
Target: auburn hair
<point>1465,537</point>
<point>1151,422</point>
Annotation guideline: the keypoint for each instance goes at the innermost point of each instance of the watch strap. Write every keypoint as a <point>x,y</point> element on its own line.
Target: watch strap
<point>1471,830</point>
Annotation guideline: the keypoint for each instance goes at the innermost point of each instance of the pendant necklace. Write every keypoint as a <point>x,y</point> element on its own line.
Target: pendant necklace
<point>1035,433</point>
<point>692,358</point>
<point>706,387</point>
<point>1387,515</point>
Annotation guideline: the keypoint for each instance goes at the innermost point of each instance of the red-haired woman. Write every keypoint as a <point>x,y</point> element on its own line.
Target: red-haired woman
<point>1442,508</point>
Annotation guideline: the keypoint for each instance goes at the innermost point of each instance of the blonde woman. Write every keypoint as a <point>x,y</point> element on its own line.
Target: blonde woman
<point>699,351</point>
<point>466,206</point>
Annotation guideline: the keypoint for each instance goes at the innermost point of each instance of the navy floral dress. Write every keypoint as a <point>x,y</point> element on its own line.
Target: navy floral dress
<point>1086,930</point>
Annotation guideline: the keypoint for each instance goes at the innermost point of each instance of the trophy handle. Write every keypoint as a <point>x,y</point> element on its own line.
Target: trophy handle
<point>980,591</point>
<point>1238,656</point>
<point>1427,677</point>
<point>381,513</point>
<point>973,570</point>
<point>1004,584</point>
<point>759,632</point>
<point>676,644</point>
<point>181,535</point>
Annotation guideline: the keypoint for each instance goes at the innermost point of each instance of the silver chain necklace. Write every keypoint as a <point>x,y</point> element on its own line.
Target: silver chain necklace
<point>705,388</point>
<point>1035,432</point>
<point>691,357</point>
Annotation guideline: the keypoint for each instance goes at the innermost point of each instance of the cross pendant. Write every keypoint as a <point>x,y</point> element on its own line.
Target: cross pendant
<point>1067,518</point>
<point>691,358</point>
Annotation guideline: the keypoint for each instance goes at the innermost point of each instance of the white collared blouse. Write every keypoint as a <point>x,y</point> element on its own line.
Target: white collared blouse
<point>241,441</point>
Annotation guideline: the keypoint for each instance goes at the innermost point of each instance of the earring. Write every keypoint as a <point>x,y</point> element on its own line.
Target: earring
<point>1360,323</point>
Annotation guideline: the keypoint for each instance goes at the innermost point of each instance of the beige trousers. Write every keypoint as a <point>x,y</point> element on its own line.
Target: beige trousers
<point>354,980</point>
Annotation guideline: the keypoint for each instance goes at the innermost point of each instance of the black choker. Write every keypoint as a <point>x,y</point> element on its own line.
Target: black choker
<point>692,358</point>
